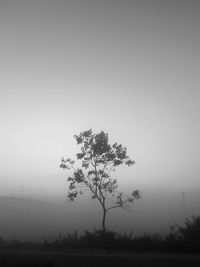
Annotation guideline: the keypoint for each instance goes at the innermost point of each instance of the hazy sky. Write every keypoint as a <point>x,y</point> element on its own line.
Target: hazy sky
<point>130,68</point>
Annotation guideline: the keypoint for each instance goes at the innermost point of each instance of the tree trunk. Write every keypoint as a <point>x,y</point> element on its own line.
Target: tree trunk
<point>104,221</point>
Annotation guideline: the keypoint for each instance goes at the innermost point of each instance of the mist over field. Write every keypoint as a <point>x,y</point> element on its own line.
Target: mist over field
<point>129,68</point>
<point>35,220</point>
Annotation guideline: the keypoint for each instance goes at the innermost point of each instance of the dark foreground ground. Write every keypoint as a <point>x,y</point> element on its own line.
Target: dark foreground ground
<point>94,258</point>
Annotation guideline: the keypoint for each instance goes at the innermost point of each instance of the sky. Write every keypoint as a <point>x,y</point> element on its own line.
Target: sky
<point>130,68</point>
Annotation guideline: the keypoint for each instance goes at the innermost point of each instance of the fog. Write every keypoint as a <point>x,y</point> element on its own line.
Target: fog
<point>36,220</point>
<point>129,68</point>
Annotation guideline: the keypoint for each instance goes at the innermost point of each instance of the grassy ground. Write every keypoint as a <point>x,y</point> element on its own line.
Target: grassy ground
<point>100,249</point>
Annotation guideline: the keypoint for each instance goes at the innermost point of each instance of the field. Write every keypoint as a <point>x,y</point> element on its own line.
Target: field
<point>180,248</point>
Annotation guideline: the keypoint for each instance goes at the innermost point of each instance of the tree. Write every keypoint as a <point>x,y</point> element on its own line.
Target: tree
<point>98,160</point>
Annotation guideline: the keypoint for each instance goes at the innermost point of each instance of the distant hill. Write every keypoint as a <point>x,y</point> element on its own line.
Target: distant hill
<point>19,201</point>
<point>28,219</point>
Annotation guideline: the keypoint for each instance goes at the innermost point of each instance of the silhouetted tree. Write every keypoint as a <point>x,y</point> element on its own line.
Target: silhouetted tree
<point>98,159</point>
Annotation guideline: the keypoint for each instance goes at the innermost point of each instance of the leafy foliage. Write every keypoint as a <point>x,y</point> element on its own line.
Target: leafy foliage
<point>185,238</point>
<point>191,230</point>
<point>98,159</point>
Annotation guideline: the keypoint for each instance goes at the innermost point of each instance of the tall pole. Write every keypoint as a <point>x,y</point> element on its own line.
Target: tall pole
<point>184,201</point>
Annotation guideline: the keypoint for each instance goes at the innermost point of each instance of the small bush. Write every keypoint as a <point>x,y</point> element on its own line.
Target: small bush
<point>185,238</point>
